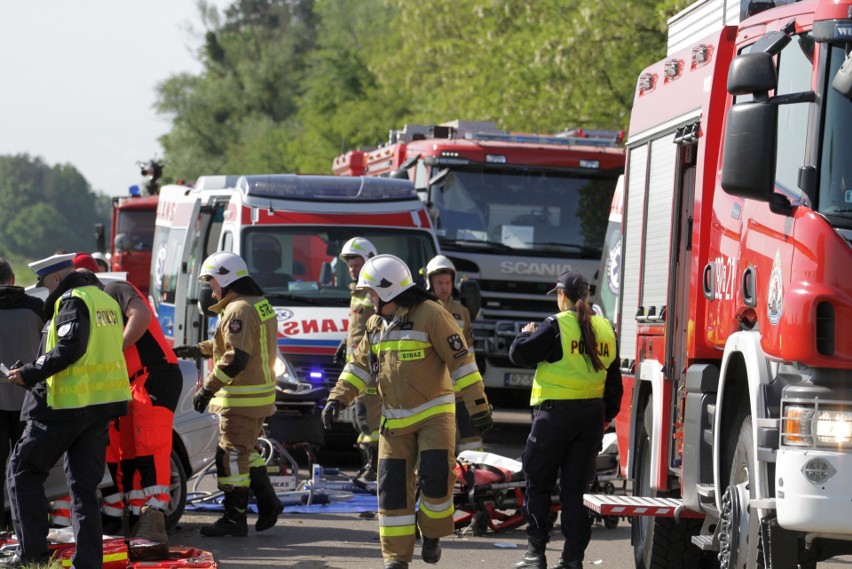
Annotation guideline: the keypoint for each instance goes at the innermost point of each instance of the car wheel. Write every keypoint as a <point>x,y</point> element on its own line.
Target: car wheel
<point>177,492</point>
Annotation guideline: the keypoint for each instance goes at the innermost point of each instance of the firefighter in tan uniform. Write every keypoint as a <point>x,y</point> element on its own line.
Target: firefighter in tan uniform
<point>413,352</point>
<point>240,389</point>
<point>368,407</point>
<point>440,281</point>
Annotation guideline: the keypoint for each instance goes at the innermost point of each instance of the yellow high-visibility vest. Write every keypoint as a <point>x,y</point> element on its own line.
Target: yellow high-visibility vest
<point>573,377</point>
<point>100,375</point>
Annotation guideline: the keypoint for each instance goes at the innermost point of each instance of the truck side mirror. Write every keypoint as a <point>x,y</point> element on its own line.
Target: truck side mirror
<point>206,300</point>
<point>752,73</point>
<point>100,237</point>
<point>470,296</point>
<point>842,82</point>
<point>748,162</point>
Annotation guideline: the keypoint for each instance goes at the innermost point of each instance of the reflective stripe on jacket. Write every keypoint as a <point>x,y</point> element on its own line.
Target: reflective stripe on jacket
<point>573,377</point>
<point>243,383</point>
<point>418,361</point>
<point>100,375</point>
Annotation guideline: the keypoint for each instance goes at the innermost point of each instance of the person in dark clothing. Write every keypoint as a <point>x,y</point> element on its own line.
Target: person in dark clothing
<point>576,393</point>
<point>74,387</point>
<point>140,443</point>
<point>20,330</point>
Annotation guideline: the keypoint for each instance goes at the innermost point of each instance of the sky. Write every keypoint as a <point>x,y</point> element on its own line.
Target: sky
<point>78,80</point>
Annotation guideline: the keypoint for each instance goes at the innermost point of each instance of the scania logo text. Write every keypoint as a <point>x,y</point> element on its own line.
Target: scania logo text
<point>527,268</point>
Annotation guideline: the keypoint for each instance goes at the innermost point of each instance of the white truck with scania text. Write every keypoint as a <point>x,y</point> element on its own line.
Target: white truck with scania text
<point>289,229</point>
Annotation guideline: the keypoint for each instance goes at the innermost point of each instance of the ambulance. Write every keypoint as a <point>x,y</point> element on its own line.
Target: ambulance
<point>289,229</point>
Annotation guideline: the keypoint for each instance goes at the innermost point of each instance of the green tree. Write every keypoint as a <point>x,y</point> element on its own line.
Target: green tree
<point>43,208</point>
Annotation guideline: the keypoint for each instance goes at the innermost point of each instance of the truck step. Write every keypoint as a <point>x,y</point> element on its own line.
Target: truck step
<point>706,491</point>
<point>614,505</point>
<point>705,542</point>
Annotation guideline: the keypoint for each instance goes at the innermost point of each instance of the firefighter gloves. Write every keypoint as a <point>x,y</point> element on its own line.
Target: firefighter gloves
<point>187,352</point>
<point>202,399</point>
<point>481,422</point>
<point>329,413</point>
<point>340,354</point>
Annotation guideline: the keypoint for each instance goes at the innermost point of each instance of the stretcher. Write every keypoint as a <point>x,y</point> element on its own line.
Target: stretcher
<point>489,489</point>
<point>116,553</point>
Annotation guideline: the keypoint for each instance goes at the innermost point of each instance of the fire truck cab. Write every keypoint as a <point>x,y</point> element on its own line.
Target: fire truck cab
<point>512,211</point>
<point>736,425</point>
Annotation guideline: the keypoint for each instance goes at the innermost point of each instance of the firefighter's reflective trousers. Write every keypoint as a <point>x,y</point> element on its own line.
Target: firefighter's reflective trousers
<point>237,450</point>
<point>424,457</point>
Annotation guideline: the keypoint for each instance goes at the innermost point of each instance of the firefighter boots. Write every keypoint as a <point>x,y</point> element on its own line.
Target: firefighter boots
<point>534,557</point>
<point>370,457</point>
<point>396,565</point>
<point>233,522</point>
<point>151,540</point>
<point>269,507</point>
<point>431,550</point>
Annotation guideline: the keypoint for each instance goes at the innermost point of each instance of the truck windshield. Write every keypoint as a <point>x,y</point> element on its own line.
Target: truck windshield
<point>138,226</point>
<point>302,261</point>
<point>525,212</point>
<point>835,191</point>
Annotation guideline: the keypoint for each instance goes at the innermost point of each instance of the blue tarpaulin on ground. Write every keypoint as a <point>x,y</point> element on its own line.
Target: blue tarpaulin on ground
<point>296,503</point>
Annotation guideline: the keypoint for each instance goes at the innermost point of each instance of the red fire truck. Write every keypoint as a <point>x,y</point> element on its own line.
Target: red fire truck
<point>133,237</point>
<point>512,211</point>
<point>736,426</point>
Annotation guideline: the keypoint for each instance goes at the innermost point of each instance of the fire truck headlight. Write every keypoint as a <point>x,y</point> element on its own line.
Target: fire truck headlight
<point>833,427</point>
<point>797,425</point>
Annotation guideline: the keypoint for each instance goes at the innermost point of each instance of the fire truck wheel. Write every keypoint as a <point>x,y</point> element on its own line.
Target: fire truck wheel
<point>660,542</point>
<point>739,537</point>
<point>177,492</point>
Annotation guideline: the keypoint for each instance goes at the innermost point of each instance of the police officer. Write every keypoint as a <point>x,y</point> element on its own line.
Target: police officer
<point>440,280</point>
<point>75,386</point>
<point>240,389</point>
<point>414,353</point>
<point>368,406</point>
<point>140,445</point>
<point>576,392</point>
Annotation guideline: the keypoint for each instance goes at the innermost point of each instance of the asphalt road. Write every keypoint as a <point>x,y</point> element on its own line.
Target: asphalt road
<point>350,541</point>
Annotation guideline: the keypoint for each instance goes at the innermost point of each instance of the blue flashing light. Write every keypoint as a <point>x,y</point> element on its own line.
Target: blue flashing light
<point>134,191</point>
<point>327,188</point>
<point>315,375</point>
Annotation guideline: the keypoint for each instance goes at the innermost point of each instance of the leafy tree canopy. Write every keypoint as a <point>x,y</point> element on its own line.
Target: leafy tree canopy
<point>289,84</point>
<point>44,208</point>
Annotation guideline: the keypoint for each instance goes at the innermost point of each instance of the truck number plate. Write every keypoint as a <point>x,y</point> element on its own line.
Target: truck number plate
<point>518,380</point>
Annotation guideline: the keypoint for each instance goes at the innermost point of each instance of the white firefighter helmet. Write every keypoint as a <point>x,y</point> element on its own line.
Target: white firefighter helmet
<point>386,275</point>
<point>439,264</point>
<point>357,247</point>
<point>224,267</point>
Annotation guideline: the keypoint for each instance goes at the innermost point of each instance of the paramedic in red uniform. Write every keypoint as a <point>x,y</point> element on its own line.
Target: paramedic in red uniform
<point>576,392</point>
<point>240,389</point>
<point>139,453</point>
<point>413,352</point>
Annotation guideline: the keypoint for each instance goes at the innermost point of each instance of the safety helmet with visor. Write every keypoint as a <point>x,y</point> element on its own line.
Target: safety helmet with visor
<point>387,275</point>
<point>357,247</point>
<point>225,267</point>
<point>439,264</point>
